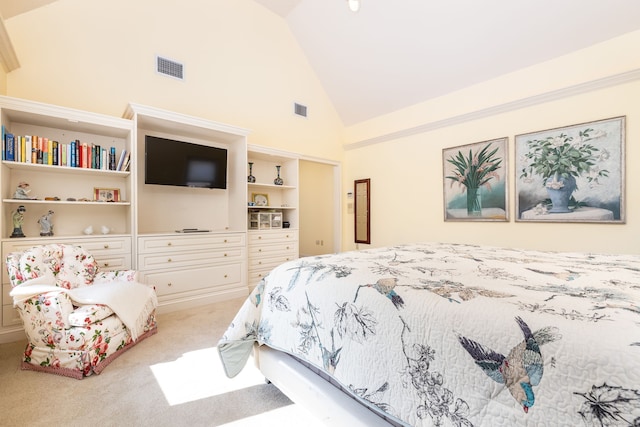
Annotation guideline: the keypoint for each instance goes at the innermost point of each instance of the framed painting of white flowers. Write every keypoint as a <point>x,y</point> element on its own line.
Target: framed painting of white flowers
<point>475,181</point>
<point>572,174</point>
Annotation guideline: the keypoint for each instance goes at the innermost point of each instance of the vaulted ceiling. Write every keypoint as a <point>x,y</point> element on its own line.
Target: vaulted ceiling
<point>396,53</point>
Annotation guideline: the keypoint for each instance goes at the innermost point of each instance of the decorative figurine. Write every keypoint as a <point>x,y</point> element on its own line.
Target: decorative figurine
<point>46,226</point>
<point>88,230</point>
<point>278,180</point>
<point>105,230</point>
<point>251,178</point>
<point>18,219</point>
<point>22,192</point>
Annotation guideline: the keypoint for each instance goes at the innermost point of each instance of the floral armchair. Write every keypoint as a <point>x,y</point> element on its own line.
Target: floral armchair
<point>66,337</point>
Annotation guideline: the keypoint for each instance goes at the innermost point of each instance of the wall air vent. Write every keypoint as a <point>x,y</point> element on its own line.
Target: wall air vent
<point>169,68</point>
<point>300,110</point>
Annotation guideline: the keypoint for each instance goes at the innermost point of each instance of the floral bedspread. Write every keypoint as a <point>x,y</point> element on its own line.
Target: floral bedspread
<point>445,334</point>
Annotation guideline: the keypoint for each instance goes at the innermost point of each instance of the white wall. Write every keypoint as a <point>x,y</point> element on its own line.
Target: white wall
<point>402,152</point>
<point>242,66</point>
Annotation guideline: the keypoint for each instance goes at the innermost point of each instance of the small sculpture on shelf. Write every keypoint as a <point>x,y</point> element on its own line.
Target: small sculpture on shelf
<point>22,192</point>
<point>104,229</point>
<point>46,224</point>
<point>278,180</point>
<point>88,231</point>
<point>251,178</point>
<point>18,220</point>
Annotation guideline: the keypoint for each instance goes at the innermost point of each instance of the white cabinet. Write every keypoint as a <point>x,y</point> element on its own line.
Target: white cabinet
<point>263,194</point>
<point>111,252</point>
<point>193,269</point>
<point>268,249</point>
<point>273,227</point>
<point>66,189</point>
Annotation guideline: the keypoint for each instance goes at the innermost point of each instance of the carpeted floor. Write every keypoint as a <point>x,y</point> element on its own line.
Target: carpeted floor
<point>173,378</point>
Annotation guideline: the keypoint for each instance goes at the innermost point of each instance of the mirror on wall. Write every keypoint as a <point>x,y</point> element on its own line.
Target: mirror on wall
<point>362,210</point>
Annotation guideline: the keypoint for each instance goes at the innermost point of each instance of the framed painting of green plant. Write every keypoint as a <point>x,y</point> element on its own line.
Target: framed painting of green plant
<point>475,181</point>
<point>572,173</point>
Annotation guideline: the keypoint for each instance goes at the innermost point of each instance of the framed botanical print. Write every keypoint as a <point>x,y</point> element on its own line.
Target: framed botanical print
<point>572,174</point>
<point>475,181</point>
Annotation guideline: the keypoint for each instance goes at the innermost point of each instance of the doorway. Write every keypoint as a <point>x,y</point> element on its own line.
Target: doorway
<point>319,196</point>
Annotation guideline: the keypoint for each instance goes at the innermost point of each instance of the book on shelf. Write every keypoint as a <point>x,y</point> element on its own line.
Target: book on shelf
<point>9,147</point>
<point>123,155</point>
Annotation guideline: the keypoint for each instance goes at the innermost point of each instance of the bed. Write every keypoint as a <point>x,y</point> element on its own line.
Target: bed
<point>437,334</point>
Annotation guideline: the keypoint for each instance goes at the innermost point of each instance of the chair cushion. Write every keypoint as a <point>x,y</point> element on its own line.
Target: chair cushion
<point>87,314</point>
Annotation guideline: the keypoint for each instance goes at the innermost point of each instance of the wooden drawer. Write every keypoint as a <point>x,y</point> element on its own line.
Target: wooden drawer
<point>194,279</point>
<point>181,259</point>
<point>106,247</point>
<point>270,261</point>
<point>95,245</point>
<point>115,262</point>
<point>269,250</point>
<point>156,244</point>
<point>272,236</point>
<point>256,275</point>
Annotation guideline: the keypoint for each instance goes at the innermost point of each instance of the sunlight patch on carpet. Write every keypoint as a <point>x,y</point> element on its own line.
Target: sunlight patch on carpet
<point>199,374</point>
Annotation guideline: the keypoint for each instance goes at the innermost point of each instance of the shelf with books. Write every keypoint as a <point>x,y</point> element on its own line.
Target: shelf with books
<point>33,149</point>
<point>74,157</point>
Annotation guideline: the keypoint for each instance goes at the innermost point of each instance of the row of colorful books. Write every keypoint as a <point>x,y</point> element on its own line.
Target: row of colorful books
<point>42,150</point>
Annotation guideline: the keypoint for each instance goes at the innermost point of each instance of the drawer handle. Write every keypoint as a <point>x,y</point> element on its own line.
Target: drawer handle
<point>259,237</point>
<point>225,254</point>
<point>169,260</point>
<point>169,244</point>
<point>225,240</point>
<point>259,250</point>
<point>106,264</point>
<point>225,276</point>
<point>169,284</point>
<point>287,236</point>
<point>287,247</point>
<point>106,246</point>
<point>259,262</point>
<point>259,274</point>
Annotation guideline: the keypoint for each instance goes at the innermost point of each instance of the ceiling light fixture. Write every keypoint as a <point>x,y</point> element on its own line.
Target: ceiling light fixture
<point>354,5</point>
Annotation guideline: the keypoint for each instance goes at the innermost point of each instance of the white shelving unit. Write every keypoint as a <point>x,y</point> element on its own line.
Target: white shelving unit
<point>270,246</point>
<point>61,184</point>
<point>191,268</point>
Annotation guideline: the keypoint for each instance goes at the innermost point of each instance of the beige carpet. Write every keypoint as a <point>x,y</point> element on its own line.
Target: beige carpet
<point>173,378</point>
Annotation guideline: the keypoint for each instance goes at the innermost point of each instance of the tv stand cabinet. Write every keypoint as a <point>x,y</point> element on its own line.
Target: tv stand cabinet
<point>193,269</point>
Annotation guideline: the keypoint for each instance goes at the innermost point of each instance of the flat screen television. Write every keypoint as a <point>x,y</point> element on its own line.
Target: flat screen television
<point>184,164</point>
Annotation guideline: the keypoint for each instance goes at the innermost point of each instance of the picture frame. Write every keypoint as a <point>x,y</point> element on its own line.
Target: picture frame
<point>572,173</point>
<point>106,194</point>
<point>475,181</point>
<point>260,199</point>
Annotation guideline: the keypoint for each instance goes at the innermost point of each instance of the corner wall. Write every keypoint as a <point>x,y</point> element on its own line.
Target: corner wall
<point>402,152</point>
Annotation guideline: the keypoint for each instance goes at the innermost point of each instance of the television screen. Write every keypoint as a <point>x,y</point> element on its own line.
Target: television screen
<point>170,162</point>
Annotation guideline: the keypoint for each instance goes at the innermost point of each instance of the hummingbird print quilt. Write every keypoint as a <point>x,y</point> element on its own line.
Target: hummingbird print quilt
<point>438,334</point>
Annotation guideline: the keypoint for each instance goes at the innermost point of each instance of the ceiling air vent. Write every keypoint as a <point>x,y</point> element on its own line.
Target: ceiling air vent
<point>300,110</point>
<point>169,68</point>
